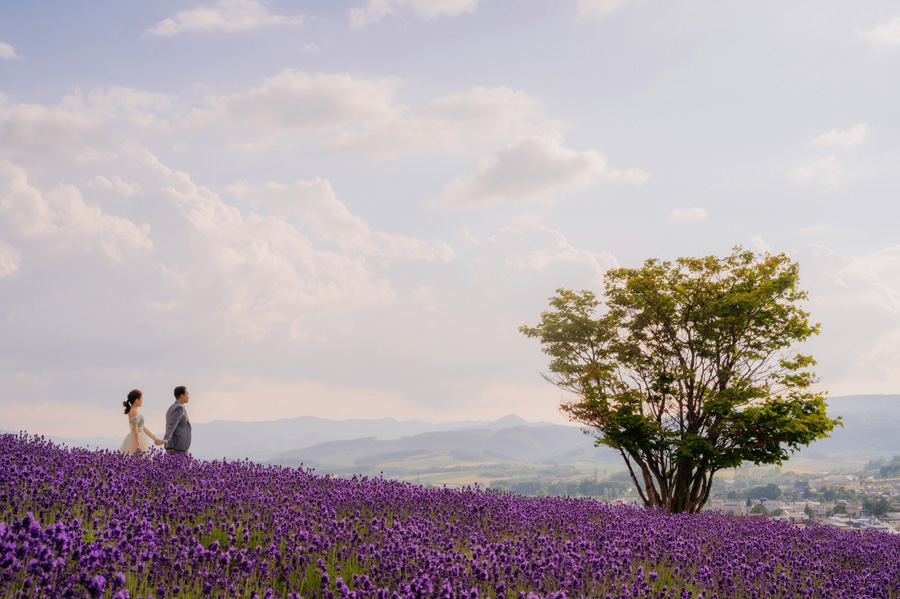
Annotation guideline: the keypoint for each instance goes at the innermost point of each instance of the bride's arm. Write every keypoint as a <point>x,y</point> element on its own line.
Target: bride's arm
<point>150,434</point>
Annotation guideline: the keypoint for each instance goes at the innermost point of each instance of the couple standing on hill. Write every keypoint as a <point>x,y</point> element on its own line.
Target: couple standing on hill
<point>178,427</point>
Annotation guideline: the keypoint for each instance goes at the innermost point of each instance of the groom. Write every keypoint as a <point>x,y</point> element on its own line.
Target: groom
<point>178,427</point>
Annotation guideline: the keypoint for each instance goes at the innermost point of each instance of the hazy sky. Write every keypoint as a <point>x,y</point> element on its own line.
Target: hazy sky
<point>346,208</point>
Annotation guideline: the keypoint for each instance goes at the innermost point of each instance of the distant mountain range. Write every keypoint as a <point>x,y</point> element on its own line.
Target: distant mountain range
<point>266,440</point>
<point>871,429</point>
<point>525,444</point>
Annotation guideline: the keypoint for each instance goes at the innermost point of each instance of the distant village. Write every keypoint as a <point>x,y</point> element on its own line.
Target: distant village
<point>868,499</point>
<point>837,500</point>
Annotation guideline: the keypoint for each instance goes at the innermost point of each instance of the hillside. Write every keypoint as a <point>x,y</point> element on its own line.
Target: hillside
<point>76,523</point>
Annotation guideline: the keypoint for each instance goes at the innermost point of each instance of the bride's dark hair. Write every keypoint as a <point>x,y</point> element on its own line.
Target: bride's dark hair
<point>133,396</point>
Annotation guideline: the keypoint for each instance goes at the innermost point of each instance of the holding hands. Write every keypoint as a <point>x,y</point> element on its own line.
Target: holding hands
<point>136,441</point>
<point>178,426</point>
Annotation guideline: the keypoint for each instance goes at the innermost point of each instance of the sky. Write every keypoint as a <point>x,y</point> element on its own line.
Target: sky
<point>346,209</point>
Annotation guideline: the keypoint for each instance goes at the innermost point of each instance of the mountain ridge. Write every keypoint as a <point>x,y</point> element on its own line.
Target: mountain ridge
<point>870,430</point>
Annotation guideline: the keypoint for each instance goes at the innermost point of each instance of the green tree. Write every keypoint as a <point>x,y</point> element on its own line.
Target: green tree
<point>759,509</point>
<point>878,507</point>
<point>770,491</point>
<point>687,368</point>
<point>891,469</point>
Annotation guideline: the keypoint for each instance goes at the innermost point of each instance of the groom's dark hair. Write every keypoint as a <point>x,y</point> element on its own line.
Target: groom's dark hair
<point>179,391</point>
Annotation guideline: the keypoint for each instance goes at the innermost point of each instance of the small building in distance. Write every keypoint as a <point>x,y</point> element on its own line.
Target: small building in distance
<point>801,487</point>
<point>732,508</point>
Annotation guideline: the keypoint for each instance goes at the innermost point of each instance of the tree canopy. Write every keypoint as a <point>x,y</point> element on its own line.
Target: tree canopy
<point>688,367</point>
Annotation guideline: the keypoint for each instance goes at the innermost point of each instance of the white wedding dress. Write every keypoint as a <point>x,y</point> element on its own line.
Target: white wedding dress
<point>131,444</point>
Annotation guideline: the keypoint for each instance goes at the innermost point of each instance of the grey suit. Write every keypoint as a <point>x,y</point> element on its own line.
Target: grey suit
<point>178,429</point>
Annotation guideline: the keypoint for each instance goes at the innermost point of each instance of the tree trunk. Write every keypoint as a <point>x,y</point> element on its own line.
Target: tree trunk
<point>687,490</point>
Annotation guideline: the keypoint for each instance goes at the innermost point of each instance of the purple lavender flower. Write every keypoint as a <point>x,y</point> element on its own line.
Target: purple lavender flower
<point>76,523</point>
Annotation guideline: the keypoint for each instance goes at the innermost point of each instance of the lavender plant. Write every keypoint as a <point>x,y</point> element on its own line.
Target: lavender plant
<point>92,524</point>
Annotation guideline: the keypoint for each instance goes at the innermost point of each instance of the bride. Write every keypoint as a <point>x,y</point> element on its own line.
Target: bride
<point>136,441</point>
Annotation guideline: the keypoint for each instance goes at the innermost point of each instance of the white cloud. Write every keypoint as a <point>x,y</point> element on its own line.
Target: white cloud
<point>888,34</point>
<point>87,225</point>
<point>7,51</point>
<point>119,103</point>
<point>599,8</point>
<point>172,278</point>
<point>225,15</point>
<point>116,183</point>
<point>64,220</point>
<point>375,10</point>
<point>451,124</point>
<point>490,112</point>
<point>880,270</point>
<point>293,103</point>
<point>78,125</point>
<point>688,215</point>
<point>36,132</point>
<point>233,274</point>
<point>259,272</point>
<point>760,245</point>
<point>313,205</point>
<point>469,238</point>
<point>365,120</point>
<point>27,213</point>
<point>534,170</point>
<point>844,139</point>
<point>528,256</point>
<point>9,260</point>
<point>828,172</point>
<point>553,251</point>
<point>857,300</point>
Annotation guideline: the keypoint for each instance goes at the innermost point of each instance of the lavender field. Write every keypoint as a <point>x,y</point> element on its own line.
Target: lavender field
<point>77,523</point>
